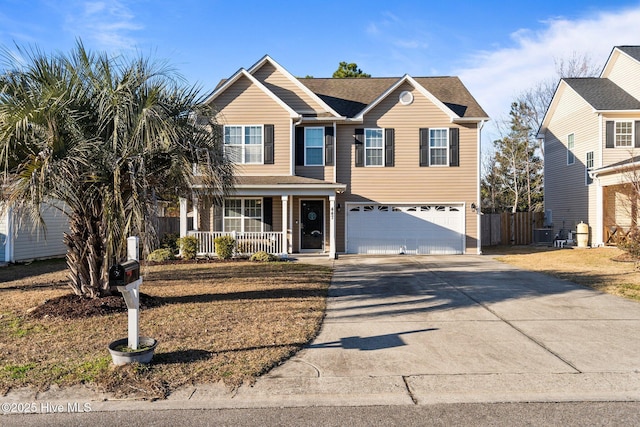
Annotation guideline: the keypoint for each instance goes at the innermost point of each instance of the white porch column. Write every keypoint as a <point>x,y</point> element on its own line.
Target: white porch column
<point>598,230</point>
<point>332,227</point>
<point>183,217</point>
<point>285,223</point>
<point>196,213</point>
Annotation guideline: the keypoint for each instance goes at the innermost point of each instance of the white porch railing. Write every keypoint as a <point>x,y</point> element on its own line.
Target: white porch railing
<point>247,243</point>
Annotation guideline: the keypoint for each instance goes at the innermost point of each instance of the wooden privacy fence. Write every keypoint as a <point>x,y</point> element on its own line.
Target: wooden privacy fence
<point>508,228</point>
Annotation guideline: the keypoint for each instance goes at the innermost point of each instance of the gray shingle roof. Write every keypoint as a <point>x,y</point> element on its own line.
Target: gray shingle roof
<point>603,94</point>
<point>350,96</point>
<point>632,51</point>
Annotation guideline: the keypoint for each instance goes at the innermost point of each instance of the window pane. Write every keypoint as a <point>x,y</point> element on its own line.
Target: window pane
<point>233,153</point>
<point>253,154</point>
<point>253,135</point>
<point>374,157</point>
<point>313,137</point>
<point>253,208</point>
<point>233,135</point>
<point>314,157</point>
<point>252,225</point>
<point>624,132</point>
<point>590,159</point>
<point>373,138</point>
<point>438,137</point>
<point>438,156</point>
<point>233,208</point>
<point>233,224</point>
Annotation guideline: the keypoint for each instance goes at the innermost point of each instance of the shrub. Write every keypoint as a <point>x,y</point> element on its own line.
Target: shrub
<point>225,246</point>
<point>263,256</point>
<point>160,255</point>
<point>170,240</point>
<point>188,246</point>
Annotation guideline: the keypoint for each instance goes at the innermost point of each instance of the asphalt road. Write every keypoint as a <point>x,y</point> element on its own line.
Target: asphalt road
<point>474,414</point>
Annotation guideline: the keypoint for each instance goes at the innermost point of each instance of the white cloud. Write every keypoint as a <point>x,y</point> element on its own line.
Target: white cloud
<point>109,24</point>
<point>496,77</point>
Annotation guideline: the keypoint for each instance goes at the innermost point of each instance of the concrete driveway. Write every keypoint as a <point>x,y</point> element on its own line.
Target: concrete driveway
<point>440,329</point>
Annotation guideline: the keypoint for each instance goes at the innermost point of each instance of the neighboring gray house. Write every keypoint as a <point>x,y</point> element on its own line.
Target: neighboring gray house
<point>18,242</point>
<point>591,135</point>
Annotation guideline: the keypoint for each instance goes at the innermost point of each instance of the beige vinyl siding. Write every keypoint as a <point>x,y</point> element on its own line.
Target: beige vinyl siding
<point>285,89</point>
<point>617,154</point>
<point>565,191</point>
<point>428,184</point>
<point>625,72</point>
<point>245,104</point>
<point>29,244</point>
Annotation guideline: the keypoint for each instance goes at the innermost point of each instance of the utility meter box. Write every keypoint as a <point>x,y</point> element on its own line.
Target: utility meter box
<point>123,274</point>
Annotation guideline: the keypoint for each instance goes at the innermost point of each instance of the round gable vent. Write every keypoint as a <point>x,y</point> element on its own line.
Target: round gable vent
<point>406,97</point>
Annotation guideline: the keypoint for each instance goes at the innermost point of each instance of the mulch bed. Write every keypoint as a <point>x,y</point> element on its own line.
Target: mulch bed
<point>73,306</point>
<point>625,257</point>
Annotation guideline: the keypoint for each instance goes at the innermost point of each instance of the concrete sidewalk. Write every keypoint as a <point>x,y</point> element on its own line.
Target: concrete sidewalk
<point>439,329</point>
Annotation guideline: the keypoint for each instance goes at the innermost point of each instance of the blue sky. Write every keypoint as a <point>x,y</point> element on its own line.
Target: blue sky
<point>498,48</point>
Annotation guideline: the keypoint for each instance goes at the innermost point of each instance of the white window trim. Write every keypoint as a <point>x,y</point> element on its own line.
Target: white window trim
<point>305,146</point>
<point>446,148</point>
<point>571,138</point>
<point>586,165</point>
<point>615,134</point>
<point>381,148</point>
<point>242,217</point>
<point>243,145</point>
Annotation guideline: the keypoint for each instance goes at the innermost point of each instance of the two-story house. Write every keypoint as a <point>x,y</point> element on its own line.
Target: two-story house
<point>591,137</point>
<point>366,166</point>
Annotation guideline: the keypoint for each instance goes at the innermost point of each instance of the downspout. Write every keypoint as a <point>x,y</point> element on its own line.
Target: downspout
<point>599,234</point>
<point>292,159</point>
<point>478,197</point>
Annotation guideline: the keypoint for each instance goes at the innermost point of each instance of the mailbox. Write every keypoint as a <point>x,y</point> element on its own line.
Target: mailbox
<point>123,274</point>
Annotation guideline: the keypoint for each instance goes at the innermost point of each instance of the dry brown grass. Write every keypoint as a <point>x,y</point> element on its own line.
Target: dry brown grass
<point>220,321</point>
<point>599,268</point>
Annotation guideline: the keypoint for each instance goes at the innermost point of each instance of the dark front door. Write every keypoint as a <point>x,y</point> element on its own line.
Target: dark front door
<point>312,224</point>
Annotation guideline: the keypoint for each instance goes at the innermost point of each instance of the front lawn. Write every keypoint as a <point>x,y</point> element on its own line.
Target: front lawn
<point>215,321</point>
<point>606,269</point>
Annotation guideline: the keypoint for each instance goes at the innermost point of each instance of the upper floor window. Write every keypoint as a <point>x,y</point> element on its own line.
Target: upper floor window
<point>624,134</point>
<point>313,146</point>
<point>588,165</point>
<point>438,147</point>
<point>571,158</point>
<point>243,144</point>
<point>243,215</point>
<point>374,147</point>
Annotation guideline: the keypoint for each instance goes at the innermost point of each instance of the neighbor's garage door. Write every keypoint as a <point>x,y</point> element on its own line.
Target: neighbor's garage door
<point>410,229</point>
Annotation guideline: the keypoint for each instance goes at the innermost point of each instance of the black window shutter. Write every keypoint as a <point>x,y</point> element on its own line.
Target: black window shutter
<point>424,146</point>
<point>328,145</point>
<point>267,213</point>
<point>610,134</point>
<point>636,143</point>
<point>389,142</point>
<point>359,140</point>
<point>300,146</point>
<point>454,147</point>
<point>268,145</point>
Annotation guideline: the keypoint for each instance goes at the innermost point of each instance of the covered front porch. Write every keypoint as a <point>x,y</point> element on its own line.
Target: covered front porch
<point>276,214</point>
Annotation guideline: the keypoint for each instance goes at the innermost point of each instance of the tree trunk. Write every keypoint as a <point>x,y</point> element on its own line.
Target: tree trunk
<point>85,256</point>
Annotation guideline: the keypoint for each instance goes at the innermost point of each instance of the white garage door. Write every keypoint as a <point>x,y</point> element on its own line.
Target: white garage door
<point>410,229</point>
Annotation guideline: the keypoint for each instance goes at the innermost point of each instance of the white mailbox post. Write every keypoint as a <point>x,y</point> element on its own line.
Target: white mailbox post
<point>131,294</point>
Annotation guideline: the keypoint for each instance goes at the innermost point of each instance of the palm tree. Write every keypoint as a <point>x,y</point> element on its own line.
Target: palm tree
<point>101,138</point>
